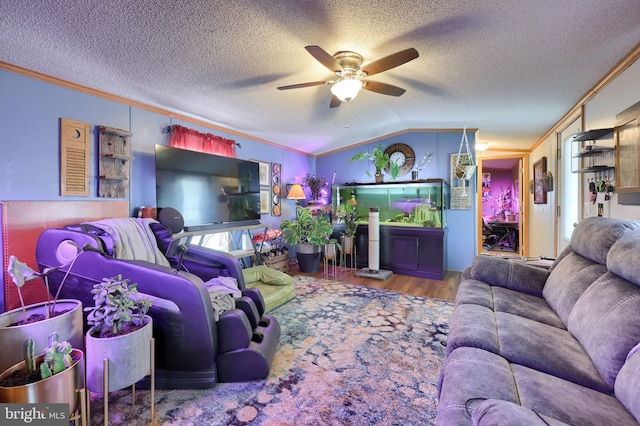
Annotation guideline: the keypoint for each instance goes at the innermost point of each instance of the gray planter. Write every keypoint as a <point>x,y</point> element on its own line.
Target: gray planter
<point>68,326</point>
<point>57,389</point>
<point>308,256</point>
<point>129,358</point>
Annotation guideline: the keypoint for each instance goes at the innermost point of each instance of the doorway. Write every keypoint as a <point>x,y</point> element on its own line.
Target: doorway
<point>568,210</point>
<point>501,212</point>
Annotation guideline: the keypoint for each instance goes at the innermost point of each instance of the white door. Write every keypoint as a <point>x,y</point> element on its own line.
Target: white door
<point>568,187</point>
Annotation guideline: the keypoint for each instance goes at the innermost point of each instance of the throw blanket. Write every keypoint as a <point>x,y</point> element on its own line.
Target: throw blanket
<point>133,238</point>
<point>222,291</point>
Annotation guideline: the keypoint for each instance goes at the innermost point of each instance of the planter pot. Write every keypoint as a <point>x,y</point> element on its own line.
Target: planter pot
<point>308,256</point>
<point>379,178</point>
<point>57,389</point>
<point>67,325</point>
<point>330,251</point>
<point>347,244</point>
<point>129,358</point>
<point>465,171</point>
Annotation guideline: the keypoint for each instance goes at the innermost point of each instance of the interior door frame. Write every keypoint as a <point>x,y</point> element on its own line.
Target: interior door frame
<point>523,200</point>
<point>576,121</point>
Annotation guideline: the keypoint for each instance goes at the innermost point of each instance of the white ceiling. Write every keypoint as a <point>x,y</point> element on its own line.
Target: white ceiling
<point>509,68</point>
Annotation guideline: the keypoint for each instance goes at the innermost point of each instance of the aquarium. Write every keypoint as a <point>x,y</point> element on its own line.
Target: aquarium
<point>415,203</point>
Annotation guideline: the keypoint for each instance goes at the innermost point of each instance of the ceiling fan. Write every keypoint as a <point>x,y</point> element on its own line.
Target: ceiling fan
<point>352,76</point>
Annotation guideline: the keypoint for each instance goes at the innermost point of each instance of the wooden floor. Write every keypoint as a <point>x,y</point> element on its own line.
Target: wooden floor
<point>435,289</point>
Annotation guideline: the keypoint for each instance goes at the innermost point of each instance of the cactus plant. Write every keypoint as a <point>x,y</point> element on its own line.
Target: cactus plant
<point>29,355</point>
<point>57,357</point>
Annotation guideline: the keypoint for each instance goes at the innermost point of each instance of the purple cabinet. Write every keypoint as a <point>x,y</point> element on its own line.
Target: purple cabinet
<point>406,250</point>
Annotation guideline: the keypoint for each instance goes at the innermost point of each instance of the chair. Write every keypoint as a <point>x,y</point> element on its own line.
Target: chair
<point>192,349</point>
<point>489,236</point>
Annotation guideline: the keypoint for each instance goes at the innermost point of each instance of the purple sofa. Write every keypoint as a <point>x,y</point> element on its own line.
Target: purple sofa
<point>532,346</point>
<point>192,349</point>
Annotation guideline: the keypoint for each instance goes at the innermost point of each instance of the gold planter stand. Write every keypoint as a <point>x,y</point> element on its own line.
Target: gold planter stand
<point>105,394</point>
<point>348,250</point>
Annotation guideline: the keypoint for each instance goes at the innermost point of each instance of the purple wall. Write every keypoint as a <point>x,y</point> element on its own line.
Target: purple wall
<point>495,183</point>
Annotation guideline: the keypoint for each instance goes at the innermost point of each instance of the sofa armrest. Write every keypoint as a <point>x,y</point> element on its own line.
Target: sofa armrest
<point>509,274</point>
<point>493,412</point>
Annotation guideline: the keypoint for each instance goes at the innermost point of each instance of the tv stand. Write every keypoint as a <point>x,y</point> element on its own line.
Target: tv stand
<point>237,233</point>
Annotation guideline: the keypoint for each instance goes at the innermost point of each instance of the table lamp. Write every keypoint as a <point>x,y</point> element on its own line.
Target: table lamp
<point>296,193</point>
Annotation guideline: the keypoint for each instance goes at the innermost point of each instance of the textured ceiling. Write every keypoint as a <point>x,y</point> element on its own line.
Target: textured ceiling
<point>509,68</point>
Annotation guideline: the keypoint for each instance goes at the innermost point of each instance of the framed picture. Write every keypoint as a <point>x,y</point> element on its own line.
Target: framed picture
<point>628,129</point>
<point>539,170</point>
<point>265,172</point>
<point>265,201</point>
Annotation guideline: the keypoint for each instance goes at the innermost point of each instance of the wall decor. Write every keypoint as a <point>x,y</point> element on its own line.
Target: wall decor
<point>539,171</point>
<point>628,158</point>
<point>486,186</point>
<point>276,189</point>
<point>264,173</point>
<point>75,158</point>
<point>264,201</point>
<point>115,162</point>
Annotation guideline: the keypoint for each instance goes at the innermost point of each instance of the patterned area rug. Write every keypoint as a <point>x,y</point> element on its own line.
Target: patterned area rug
<point>348,355</point>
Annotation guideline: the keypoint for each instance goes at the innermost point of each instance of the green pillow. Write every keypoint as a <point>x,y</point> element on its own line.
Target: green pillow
<point>266,275</point>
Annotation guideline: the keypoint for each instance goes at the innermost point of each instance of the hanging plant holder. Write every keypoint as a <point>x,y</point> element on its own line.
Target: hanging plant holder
<point>464,170</point>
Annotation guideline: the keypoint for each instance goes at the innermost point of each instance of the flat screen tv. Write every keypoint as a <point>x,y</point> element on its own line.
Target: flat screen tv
<point>209,191</point>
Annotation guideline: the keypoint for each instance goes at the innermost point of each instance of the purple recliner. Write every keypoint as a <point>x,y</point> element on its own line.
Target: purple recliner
<point>192,349</point>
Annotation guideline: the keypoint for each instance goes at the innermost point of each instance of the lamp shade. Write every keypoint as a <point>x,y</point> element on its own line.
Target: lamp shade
<point>345,90</point>
<point>296,192</point>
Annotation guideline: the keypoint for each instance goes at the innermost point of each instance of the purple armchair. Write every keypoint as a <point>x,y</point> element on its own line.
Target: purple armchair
<point>192,349</point>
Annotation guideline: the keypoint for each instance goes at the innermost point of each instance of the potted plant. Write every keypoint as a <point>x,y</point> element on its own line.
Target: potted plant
<point>308,232</point>
<point>120,332</point>
<point>348,214</point>
<point>51,377</point>
<point>379,160</point>
<point>315,185</point>
<point>39,320</point>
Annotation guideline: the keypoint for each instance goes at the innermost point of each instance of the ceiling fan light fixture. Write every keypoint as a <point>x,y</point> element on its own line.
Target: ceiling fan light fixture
<point>346,89</point>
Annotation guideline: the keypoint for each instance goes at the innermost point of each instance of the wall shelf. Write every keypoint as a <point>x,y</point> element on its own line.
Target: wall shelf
<point>115,162</point>
<point>593,151</point>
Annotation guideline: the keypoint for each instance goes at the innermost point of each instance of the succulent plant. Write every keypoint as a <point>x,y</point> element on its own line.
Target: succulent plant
<point>115,307</point>
<point>57,357</point>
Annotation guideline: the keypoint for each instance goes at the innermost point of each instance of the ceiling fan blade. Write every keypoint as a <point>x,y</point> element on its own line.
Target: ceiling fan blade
<point>335,102</point>
<point>324,58</point>
<point>384,88</point>
<point>298,86</point>
<point>391,61</point>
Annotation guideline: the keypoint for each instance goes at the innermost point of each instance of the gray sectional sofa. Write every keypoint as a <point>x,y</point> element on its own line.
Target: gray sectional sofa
<point>532,346</point>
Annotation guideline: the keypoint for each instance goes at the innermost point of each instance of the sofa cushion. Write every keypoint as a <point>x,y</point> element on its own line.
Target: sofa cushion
<point>473,326</point>
<point>606,321</point>
<point>525,305</point>
<point>566,401</point>
<point>627,390</point>
<point>548,349</point>
<point>568,281</point>
<point>508,274</point>
<point>624,257</point>
<point>474,292</point>
<point>593,237</point>
<point>495,412</point>
<point>470,374</point>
